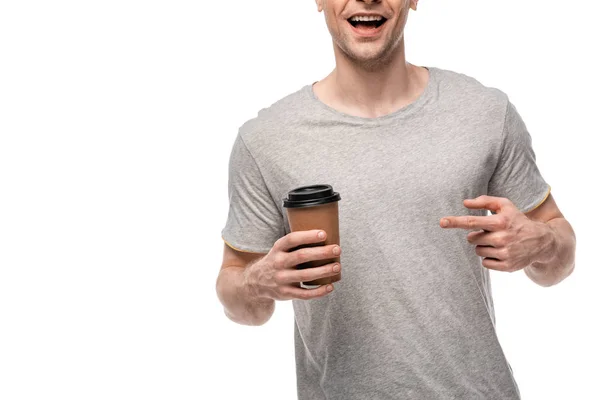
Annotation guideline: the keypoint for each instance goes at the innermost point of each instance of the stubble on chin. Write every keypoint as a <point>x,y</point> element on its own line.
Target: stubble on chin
<point>374,59</point>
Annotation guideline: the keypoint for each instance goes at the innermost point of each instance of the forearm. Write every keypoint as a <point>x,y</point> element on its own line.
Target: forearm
<point>240,304</point>
<point>559,259</point>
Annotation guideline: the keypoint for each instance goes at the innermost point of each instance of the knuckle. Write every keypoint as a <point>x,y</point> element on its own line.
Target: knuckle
<point>326,270</point>
<point>470,221</point>
<point>279,242</point>
<point>282,242</point>
<point>278,261</point>
<point>278,277</point>
<point>502,240</point>
<point>305,275</point>
<point>319,292</point>
<point>503,222</point>
<point>301,256</point>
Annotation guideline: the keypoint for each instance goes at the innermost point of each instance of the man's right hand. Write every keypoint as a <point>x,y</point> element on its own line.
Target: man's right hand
<point>275,275</point>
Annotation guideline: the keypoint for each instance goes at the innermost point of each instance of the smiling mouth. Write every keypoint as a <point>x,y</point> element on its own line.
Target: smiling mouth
<point>367,22</point>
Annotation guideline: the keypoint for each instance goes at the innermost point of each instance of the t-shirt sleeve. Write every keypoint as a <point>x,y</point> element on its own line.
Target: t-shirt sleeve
<point>254,222</point>
<point>517,176</point>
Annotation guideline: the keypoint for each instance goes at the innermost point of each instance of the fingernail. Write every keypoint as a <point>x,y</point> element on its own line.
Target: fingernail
<point>329,288</point>
<point>445,222</point>
<point>336,250</point>
<point>336,267</point>
<point>321,235</point>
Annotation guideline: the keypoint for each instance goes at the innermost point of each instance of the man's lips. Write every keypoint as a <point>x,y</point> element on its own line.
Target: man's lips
<point>367,25</point>
<point>374,20</point>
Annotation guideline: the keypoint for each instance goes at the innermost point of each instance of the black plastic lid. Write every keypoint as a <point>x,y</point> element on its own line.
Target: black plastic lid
<point>308,196</point>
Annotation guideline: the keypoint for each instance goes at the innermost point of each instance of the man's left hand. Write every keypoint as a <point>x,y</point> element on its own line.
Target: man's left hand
<point>508,240</point>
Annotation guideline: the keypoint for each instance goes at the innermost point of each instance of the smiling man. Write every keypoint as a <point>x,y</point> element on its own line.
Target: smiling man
<point>419,155</point>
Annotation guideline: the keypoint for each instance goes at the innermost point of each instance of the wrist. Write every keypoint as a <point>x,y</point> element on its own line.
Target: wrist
<point>251,288</point>
<point>548,247</point>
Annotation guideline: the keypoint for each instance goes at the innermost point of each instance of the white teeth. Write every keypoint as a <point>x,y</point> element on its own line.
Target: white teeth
<point>366,18</point>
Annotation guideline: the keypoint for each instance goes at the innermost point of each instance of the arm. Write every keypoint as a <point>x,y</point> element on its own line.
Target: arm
<point>241,305</point>
<point>543,242</point>
<point>259,263</point>
<point>558,261</point>
<point>249,283</point>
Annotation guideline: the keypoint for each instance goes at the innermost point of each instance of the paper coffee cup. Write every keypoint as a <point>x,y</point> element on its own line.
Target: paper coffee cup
<point>315,207</point>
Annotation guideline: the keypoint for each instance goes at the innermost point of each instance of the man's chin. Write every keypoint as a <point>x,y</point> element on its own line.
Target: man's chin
<point>373,56</point>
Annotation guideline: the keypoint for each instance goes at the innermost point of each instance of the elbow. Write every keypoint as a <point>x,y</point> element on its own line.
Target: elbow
<point>550,280</point>
<point>249,320</point>
<point>546,284</point>
<point>570,270</point>
<point>241,310</point>
<point>219,289</point>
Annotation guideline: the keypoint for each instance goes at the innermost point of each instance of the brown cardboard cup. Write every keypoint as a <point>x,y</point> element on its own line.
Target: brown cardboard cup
<point>315,207</point>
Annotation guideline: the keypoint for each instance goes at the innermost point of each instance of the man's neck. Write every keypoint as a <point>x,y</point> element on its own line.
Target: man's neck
<point>371,93</point>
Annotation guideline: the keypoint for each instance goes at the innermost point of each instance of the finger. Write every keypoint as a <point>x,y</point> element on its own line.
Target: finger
<point>307,254</point>
<point>292,292</point>
<point>308,274</point>
<point>490,251</point>
<point>297,238</point>
<point>489,223</point>
<point>497,265</point>
<point>492,203</point>
<point>486,238</point>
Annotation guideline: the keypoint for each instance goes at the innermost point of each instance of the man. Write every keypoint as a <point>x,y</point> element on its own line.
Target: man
<point>418,154</point>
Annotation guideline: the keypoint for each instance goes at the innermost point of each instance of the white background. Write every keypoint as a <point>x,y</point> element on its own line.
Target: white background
<point>117,119</point>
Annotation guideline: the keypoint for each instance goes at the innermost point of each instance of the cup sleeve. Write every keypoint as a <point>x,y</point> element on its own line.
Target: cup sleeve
<point>253,222</point>
<point>516,175</point>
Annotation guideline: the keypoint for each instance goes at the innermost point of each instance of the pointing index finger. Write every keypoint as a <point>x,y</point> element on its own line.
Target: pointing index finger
<point>488,223</point>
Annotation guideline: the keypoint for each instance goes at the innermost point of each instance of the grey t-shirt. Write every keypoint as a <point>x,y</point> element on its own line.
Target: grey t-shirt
<point>413,316</point>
